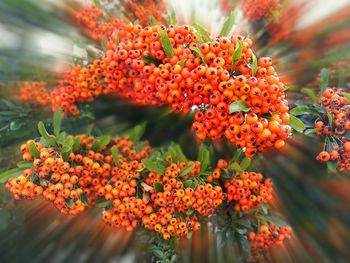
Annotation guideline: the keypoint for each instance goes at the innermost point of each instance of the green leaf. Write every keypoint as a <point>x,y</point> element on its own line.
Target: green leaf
<point>153,166</point>
<point>198,36</point>
<point>187,170</point>
<point>84,199</point>
<point>166,43</point>
<point>10,174</point>
<point>115,157</point>
<point>69,203</point>
<point>201,30</point>
<point>101,142</point>
<point>57,121</point>
<point>33,149</point>
<point>67,148</point>
<point>228,24</point>
<point>199,53</point>
<point>76,144</point>
<point>310,92</point>
<point>50,139</point>
<point>237,54</point>
<point>235,166</point>
<point>245,163</point>
<point>149,59</point>
<point>254,64</point>
<point>188,183</point>
<point>324,79</point>
<point>303,110</point>
<point>182,63</point>
<point>158,187</point>
<point>25,164</point>
<point>238,153</point>
<point>176,153</point>
<point>152,20</point>
<point>203,157</point>
<point>238,106</point>
<point>189,234</point>
<point>158,254</point>
<point>296,124</point>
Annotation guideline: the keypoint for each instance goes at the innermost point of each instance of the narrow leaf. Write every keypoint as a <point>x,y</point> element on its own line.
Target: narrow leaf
<point>10,174</point>
<point>228,24</point>
<point>199,53</point>
<point>67,148</point>
<point>245,163</point>
<point>115,157</point>
<point>310,92</point>
<point>201,30</point>
<point>187,170</point>
<point>303,110</point>
<point>203,157</point>
<point>237,54</point>
<point>146,187</point>
<point>166,43</point>
<point>149,59</point>
<point>152,20</point>
<point>57,121</point>
<point>254,64</point>
<point>235,166</point>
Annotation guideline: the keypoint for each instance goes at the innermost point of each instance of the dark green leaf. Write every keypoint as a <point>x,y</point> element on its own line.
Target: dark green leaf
<point>187,170</point>
<point>115,157</point>
<point>199,53</point>
<point>84,199</point>
<point>296,124</point>
<point>33,149</point>
<point>275,220</point>
<point>238,153</point>
<point>239,106</point>
<point>149,59</point>
<point>57,121</point>
<point>228,24</point>
<point>153,166</point>
<point>69,203</point>
<point>237,54</point>
<point>158,187</point>
<point>330,118</point>
<point>166,43</point>
<point>136,132</point>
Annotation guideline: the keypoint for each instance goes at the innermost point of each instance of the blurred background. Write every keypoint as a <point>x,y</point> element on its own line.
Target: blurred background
<point>40,40</point>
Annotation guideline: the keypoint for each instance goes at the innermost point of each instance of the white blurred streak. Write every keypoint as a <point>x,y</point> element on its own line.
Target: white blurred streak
<point>8,39</point>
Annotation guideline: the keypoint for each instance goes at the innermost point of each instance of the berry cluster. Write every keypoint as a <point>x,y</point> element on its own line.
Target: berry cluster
<point>35,92</point>
<point>159,207</point>
<point>267,236</point>
<point>143,9</point>
<point>154,65</point>
<point>248,190</point>
<point>70,184</point>
<point>335,127</point>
